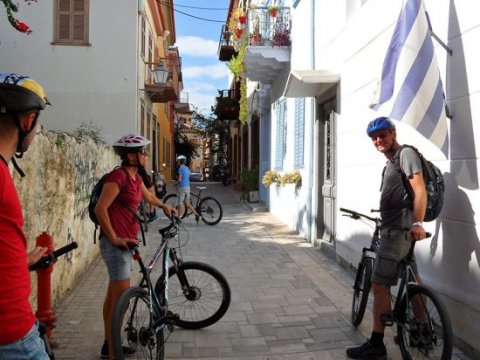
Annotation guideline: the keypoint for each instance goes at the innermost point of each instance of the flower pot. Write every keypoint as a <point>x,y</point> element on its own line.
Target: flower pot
<point>273,12</point>
<point>255,39</point>
<point>253,196</point>
<point>238,32</point>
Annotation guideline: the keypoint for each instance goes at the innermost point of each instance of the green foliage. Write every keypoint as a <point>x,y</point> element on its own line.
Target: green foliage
<point>60,142</point>
<point>250,179</point>
<point>236,65</point>
<point>90,131</point>
<point>243,114</point>
<point>183,146</point>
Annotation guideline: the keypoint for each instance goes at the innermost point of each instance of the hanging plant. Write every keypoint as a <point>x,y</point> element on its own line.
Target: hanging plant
<point>243,114</point>
<point>272,10</point>
<point>242,19</point>
<point>11,8</point>
<point>236,63</point>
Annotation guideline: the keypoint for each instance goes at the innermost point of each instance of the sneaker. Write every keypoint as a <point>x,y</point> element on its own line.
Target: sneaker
<point>367,351</point>
<point>127,351</point>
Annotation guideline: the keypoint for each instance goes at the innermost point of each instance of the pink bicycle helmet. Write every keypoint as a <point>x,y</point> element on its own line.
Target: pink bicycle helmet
<point>130,144</point>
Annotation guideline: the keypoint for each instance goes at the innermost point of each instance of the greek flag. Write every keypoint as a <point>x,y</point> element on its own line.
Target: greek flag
<point>411,88</point>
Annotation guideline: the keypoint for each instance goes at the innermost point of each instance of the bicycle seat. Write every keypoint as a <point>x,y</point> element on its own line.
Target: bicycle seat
<point>201,187</point>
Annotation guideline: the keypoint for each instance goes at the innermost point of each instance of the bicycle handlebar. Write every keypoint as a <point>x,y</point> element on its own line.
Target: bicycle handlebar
<point>45,261</point>
<point>356,215</point>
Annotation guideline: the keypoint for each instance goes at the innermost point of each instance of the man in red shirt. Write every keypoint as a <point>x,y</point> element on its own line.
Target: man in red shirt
<point>21,100</point>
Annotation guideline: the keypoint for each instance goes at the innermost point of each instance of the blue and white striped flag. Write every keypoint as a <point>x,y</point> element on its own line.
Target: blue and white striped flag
<point>411,88</point>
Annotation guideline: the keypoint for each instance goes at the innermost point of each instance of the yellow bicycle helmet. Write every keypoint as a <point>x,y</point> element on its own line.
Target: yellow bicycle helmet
<point>20,93</point>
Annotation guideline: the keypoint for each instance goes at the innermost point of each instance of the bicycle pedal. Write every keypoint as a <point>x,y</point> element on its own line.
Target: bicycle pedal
<point>387,319</point>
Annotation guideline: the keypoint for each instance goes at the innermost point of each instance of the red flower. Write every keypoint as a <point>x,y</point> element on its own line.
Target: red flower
<point>22,27</point>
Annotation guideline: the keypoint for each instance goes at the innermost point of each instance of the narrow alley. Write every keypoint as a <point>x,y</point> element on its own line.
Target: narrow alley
<point>289,300</point>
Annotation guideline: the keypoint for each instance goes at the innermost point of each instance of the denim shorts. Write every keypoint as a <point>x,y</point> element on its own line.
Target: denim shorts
<point>28,347</point>
<point>183,196</point>
<point>118,261</point>
<point>394,246</point>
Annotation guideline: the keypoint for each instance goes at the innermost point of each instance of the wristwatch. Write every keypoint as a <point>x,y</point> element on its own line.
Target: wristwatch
<point>418,223</point>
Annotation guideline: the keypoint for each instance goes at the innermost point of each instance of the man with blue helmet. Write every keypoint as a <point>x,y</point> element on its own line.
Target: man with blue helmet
<point>400,222</point>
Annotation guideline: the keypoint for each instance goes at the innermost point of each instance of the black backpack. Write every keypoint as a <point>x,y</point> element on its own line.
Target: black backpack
<point>434,184</point>
<point>95,194</point>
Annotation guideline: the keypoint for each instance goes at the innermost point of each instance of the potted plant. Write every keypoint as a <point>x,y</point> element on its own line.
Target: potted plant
<point>272,10</point>
<point>242,19</point>
<point>281,38</point>
<point>255,39</point>
<point>250,184</point>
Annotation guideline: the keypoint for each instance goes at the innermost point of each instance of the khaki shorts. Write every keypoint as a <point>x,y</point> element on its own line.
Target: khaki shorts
<point>183,196</point>
<point>394,246</point>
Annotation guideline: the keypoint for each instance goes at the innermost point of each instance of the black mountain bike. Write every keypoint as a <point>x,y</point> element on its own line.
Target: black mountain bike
<point>44,263</point>
<point>208,207</point>
<point>189,294</point>
<point>424,330</point>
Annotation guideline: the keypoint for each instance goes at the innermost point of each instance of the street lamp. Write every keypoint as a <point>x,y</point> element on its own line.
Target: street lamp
<point>160,74</point>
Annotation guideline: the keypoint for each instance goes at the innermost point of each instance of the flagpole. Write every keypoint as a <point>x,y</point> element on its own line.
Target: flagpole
<point>442,44</point>
<point>449,51</point>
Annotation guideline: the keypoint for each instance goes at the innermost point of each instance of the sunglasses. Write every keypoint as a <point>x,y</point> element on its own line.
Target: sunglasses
<point>381,136</point>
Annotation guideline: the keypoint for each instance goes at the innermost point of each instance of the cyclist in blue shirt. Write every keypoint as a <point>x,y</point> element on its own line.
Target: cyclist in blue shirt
<point>183,188</point>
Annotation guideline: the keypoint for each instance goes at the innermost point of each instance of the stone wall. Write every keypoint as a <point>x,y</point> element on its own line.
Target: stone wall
<point>60,173</point>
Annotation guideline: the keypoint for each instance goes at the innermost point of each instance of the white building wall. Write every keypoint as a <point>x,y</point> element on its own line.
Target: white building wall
<point>351,39</point>
<point>96,83</point>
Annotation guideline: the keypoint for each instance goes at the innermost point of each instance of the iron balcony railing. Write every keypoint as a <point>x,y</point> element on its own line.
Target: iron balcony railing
<point>264,29</point>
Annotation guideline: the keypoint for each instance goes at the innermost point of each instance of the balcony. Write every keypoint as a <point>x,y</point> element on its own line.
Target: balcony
<point>226,50</point>
<point>169,91</point>
<point>268,47</point>
<point>227,105</point>
<point>182,106</point>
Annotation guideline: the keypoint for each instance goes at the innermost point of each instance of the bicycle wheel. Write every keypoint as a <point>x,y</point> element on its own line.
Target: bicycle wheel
<point>132,327</point>
<point>361,289</point>
<point>171,200</point>
<point>198,293</point>
<point>210,210</point>
<point>430,338</point>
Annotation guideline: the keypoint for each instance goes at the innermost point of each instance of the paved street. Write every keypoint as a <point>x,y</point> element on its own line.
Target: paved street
<point>289,300</point>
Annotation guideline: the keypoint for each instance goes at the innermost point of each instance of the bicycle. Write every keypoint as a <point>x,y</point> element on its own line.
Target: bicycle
<point>208,207</point>
<point>423,324</point>
<point>189,294</point>
<point>41,264</point>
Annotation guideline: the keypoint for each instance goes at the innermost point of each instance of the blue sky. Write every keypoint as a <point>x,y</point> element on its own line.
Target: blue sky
<point>197,41</point>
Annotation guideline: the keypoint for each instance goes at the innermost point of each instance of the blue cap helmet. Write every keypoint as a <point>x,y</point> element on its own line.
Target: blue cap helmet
<point>381,123</point>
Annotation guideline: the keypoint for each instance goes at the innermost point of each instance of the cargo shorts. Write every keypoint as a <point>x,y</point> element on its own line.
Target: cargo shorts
<point>394,246</point>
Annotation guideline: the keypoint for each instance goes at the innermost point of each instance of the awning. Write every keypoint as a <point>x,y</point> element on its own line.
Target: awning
<point>309,83</point>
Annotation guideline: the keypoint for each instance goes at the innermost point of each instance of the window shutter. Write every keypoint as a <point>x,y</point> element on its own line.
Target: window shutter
<point>64,20</point>
<point>280,134</point>
<point>299,131</point>
<point>72,21</point>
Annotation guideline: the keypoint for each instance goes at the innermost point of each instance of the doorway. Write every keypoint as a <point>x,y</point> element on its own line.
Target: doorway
<point>326,167</point>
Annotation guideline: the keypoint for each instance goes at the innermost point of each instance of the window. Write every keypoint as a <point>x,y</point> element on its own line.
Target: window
<point>142,118</point>
<point>166,152</point>
<point>143,35</point>
<point>281,134</point>
<point>299,131</point>
<point>71,22</point>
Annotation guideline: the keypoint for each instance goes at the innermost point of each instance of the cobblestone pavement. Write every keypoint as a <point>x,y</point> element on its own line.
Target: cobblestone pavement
<point>289,300</point>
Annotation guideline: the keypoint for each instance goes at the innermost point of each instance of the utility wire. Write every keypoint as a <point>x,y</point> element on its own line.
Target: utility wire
<point>193,16</point>
<point>201,8</point>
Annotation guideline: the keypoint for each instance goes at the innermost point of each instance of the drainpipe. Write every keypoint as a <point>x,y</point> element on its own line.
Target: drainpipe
<point>311,202</point>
